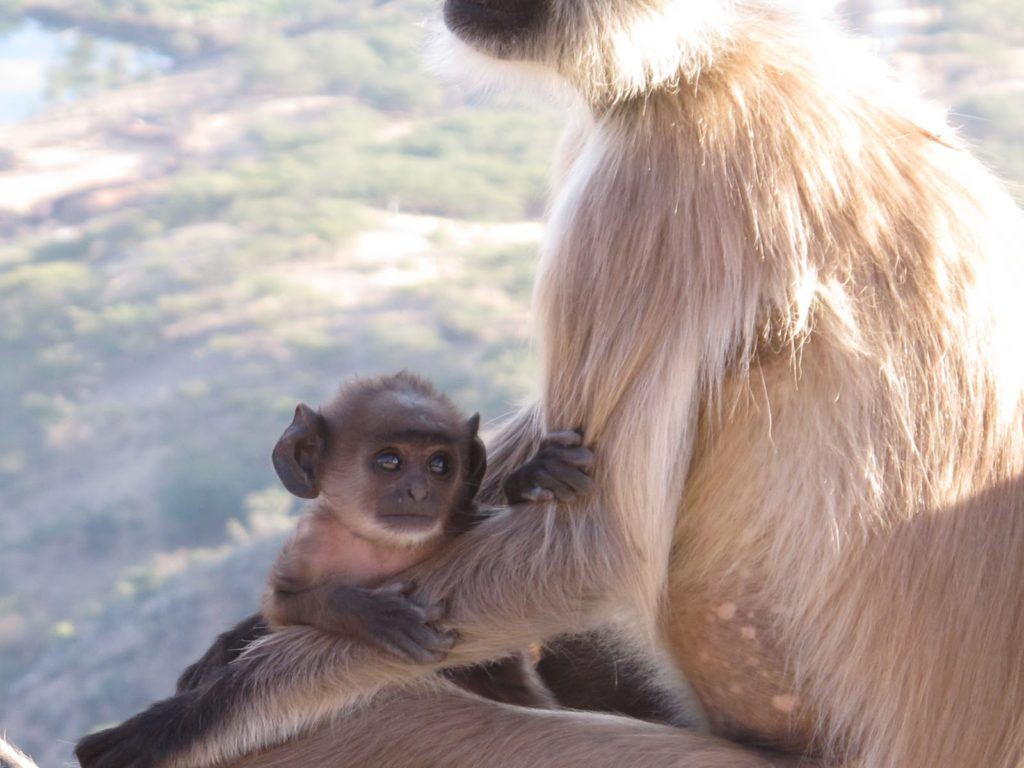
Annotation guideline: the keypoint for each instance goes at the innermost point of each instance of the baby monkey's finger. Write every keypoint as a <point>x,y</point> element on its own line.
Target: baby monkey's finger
<point>405,649</point>
<point>578,481</point>
<point>412,612</point>
<point>424,611</point>
<point>581,458</point>
<point>567,439</point>
<point>538,495</point>
<point>391,601</point>
<point>404,588</point>
<point>582,483</point>
<point>551,481</point>
<point>435,612</point>
<point>430,639</point>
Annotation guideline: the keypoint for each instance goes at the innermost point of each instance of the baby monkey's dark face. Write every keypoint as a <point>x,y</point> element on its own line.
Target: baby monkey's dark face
<point>413,485</point>
<point>390,458</point>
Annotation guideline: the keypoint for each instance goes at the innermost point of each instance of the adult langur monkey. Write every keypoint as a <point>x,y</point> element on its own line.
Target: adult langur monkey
<point>788,311</point>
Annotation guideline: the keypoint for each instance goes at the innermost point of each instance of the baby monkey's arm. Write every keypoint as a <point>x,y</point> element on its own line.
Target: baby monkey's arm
<point>322,579</point>
<point>226,648</point>
<point>385,618</point>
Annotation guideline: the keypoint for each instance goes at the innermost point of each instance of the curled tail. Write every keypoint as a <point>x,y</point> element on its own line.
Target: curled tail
<point>12,758</point>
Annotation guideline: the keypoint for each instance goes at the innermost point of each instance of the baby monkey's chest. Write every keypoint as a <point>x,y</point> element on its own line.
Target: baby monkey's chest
<point>334,553</point>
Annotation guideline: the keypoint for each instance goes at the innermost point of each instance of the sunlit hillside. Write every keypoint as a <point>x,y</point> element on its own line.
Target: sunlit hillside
<point>212,209</point>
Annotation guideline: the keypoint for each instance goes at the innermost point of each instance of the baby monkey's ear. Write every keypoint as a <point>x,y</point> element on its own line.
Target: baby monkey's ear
<point>477,466</point>
<point>299,452</point>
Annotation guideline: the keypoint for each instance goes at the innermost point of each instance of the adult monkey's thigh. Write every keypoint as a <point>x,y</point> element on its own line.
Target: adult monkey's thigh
<point>444,727</point>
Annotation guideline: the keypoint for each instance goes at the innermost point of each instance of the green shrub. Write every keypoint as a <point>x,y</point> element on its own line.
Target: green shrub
<point>202,487</point>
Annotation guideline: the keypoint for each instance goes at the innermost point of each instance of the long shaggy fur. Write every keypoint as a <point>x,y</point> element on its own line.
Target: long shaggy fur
<point>11,757</point>
<point>786,305</point>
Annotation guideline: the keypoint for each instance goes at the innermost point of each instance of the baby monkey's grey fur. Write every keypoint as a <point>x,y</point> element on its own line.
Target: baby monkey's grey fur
<point>392,469</point>
<point>371,519</point>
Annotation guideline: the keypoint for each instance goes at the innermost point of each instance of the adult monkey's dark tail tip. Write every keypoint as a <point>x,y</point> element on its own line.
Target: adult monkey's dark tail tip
<point>13,758</point>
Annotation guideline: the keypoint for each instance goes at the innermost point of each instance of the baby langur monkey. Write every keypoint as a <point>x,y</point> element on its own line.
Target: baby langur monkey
<point>393,469</point>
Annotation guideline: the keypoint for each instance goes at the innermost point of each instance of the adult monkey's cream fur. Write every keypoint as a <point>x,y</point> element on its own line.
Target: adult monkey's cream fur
<point>788,313</point>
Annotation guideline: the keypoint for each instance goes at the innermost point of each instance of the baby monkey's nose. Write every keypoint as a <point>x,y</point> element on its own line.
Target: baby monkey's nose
<point>418,491</point>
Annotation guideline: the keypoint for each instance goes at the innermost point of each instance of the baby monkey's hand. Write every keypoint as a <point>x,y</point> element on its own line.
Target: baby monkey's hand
<point>390,620</point>
<point>559,470</point>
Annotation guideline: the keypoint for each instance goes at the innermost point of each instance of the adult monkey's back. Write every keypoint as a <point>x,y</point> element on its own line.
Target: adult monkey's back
<point>788,313</point>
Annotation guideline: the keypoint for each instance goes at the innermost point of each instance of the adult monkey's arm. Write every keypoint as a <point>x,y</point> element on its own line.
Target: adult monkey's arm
<point>438,725</point>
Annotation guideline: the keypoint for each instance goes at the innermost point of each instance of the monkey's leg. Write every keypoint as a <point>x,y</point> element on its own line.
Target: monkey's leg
<point>513,681</point>
<point>435,726</point>
<point>226,648</point>
<point>595,672</point>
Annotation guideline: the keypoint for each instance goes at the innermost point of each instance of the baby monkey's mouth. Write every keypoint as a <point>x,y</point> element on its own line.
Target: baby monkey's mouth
<point>408,520</point>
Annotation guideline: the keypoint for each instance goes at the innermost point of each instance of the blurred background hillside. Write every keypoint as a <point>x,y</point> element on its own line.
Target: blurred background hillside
<point>211,209</point>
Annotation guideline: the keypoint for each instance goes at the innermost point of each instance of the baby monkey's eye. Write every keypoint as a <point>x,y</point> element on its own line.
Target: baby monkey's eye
<point>438,464</point>
<point>389,461</point>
